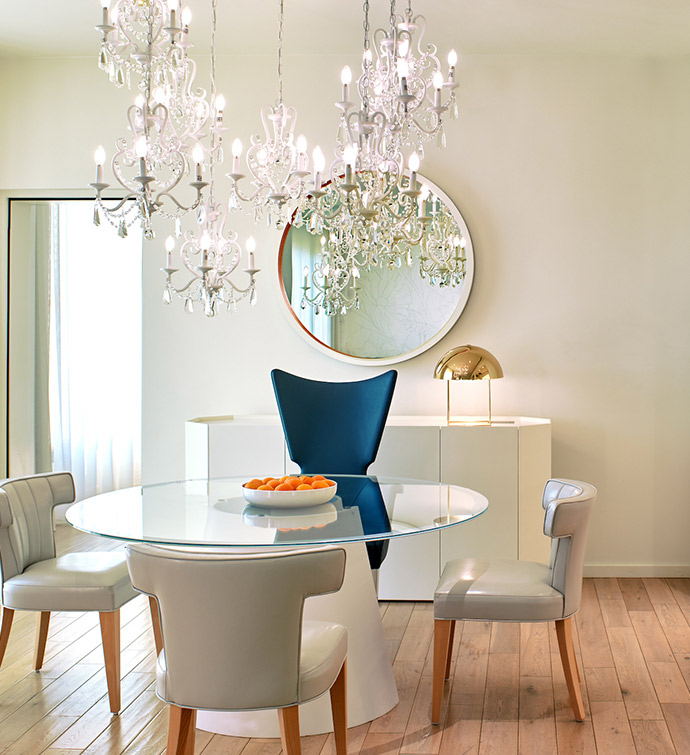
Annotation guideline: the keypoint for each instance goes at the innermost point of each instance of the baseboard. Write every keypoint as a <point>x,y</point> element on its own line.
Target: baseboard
<point>637,570</point>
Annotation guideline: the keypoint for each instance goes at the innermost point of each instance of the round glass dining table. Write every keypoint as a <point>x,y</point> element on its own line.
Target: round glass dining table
<point>213,513</point>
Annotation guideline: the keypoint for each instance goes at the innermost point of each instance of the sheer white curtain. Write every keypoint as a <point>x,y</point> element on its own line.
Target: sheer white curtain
<point>95,351</point>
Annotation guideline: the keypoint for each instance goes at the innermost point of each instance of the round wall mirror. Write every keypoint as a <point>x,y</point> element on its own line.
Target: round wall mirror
<point>403,307</point>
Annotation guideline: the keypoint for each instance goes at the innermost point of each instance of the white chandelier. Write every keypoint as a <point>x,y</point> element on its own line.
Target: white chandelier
<point>211,255</point>
<point>277,163</point>
<point>166,123</point>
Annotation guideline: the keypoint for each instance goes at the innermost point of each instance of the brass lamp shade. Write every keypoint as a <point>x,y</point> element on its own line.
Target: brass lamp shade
<point>467,363</point>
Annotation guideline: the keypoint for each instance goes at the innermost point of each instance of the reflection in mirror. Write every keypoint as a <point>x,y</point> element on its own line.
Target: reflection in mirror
<point>401,309</point>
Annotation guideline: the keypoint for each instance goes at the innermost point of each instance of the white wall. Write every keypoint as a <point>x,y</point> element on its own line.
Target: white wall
<point>572,173</point>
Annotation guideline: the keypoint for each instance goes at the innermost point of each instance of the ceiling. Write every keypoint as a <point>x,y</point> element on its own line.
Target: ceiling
<point>618,27</point>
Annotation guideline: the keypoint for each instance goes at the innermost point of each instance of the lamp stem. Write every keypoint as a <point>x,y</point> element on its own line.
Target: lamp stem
<point>489,381</point>
<point>448,402</point>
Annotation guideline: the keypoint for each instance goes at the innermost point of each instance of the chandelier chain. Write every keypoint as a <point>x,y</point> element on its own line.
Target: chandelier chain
<point>366,62</point>
<point>280,56</point>
<point>214,22</point>
<point>392,15</point>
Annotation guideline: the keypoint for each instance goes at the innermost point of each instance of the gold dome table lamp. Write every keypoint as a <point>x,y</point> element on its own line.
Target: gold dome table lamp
<point>467,363</point>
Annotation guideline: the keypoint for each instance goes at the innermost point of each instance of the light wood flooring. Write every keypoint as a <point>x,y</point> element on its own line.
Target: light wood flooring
<point>506,694</point>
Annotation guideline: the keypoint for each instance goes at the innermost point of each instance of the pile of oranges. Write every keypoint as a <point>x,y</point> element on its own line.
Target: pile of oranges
<point>290,483</point>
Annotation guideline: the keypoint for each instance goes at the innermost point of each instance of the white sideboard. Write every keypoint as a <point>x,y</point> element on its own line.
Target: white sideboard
<point>508,462</point>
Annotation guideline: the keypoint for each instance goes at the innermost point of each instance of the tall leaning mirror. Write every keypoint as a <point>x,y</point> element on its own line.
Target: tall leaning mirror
<point>398,298</point>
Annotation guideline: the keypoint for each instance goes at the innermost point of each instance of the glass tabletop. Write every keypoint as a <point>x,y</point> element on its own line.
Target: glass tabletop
<point>215,513</point>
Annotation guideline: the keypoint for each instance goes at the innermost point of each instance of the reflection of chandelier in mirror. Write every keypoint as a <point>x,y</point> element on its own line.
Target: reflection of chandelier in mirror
<point>211,255</point>
<point>276,162</point>
<point>165,123</point>
<point>412,227</point>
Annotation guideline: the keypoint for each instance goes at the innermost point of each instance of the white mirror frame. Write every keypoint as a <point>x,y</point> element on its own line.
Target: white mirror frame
<point>376,361</point>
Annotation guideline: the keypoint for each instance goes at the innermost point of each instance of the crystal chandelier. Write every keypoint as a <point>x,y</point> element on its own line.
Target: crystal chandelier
<point>166,123</point>
<point>125,45</point>
<point>211,255</point>
<point>277,163</point>
<point>406,83</point>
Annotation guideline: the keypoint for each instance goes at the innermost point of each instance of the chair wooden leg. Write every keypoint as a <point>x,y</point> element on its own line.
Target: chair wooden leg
<point>564,632</point>
<point>181,731</point>
<point>7,616</point>
<point>110,632</point>
<point>42,624</point>
<point>450,650</point>
<point>339,710</point>
<point>289,730</point>
<point>156,623</point>
<point>442,634</point>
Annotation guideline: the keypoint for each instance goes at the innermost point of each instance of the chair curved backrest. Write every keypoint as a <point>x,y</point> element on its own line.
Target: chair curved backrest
<point>26,519</point>
<point>333,427</point>
<point>231,624</point>
<point>568,505</point>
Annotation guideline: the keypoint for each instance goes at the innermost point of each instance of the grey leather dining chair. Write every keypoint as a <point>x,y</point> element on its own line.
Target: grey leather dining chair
<point>34,579</point>
<point>521,591</point>
<point>234,638</point>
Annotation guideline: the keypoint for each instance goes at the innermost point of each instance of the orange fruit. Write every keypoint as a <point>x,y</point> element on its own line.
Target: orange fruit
<point>304,486</point>
<point>318,484</point>
<point>283,486</point>
<point>253,484</point>
<point>266,480</point>
<point>293,481</point>
<point>306,480</point>
<point>264,487</point>
<point>273,484</point>
<point>330,482</point>
<point>318,477</point>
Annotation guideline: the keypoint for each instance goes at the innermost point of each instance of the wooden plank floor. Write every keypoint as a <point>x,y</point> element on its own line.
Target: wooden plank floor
<point>506,695</point>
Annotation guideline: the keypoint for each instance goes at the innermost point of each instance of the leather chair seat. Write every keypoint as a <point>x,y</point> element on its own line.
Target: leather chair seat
<point>88,581</point>
<point>497,590</point>
<point>323,651</point>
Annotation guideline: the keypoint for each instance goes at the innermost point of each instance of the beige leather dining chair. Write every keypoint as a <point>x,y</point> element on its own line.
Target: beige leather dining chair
<point>503,590</point>
<point>34,579</point>
<point>234,638</point>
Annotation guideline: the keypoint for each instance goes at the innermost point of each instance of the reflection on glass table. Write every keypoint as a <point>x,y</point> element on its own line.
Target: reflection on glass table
<point>213,513</point>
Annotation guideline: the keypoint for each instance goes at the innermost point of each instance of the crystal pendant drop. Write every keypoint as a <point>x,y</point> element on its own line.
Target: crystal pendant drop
<point>189,307</point>
<point>178,228</point>
<point>454,109</point>
<point>441,138</point>
<point>252,297</point>
<point>122,230</point>
<point>120,78</point>
<point>103,60</point>
<point>96,216</point>
<point>149,235</point>
<point>167,296</point>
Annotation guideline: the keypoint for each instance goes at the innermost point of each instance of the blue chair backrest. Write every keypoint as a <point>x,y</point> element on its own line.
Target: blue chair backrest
<point>333,427</point>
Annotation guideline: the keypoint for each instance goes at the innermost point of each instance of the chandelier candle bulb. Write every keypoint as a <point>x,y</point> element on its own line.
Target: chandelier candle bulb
<point>438,83</point>
<point>99,157</point>
<point>169,246</point>
<point>319,165</point>
<point>198,156</point>
<point>345,79</point>
<point>220,106</point>
<point>302,153</point>
<point>186,18</point>
<point>452,62</point>
<point>172,7</point>
<point>105,5</point>
<point>251,246</point>
<point>236,152</point>
<point>413,164</point>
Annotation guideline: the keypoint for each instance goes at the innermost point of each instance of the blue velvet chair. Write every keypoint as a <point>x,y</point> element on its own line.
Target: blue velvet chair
<point>336,428</point>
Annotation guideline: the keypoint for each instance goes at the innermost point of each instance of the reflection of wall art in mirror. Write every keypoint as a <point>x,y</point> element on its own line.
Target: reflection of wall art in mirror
<point>398,313</point>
